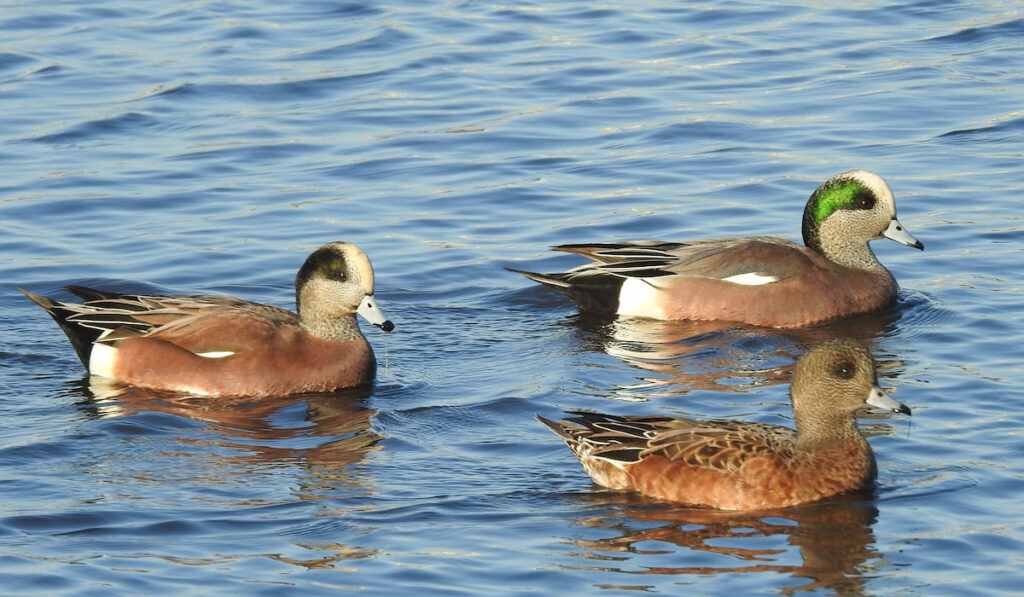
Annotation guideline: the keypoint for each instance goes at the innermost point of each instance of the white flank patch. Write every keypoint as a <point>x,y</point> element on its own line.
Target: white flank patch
<point>101,360</point>
<point>751,279</point>
<point>196,391</point>
<point>215,354</point>
<point>640,298</point>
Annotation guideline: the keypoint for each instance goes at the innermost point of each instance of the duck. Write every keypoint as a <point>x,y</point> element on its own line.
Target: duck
<point>738,465</point>
<point>761,281</point>
<point>227,346</point>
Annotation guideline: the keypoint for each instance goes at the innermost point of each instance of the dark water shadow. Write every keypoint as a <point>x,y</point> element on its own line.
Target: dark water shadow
<point>828,545</point>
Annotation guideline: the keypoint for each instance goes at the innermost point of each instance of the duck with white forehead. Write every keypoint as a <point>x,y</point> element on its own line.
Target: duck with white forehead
<point>220,345</point>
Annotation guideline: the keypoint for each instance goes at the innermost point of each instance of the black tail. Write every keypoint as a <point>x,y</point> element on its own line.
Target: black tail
<point>597,292</point>
<point>81,337</point>
<point>90,294</point>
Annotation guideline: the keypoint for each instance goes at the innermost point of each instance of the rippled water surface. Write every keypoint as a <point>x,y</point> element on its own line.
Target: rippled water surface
<point>210,146</point>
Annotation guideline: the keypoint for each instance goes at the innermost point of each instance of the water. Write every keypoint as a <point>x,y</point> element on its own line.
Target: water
<point>209,146</point>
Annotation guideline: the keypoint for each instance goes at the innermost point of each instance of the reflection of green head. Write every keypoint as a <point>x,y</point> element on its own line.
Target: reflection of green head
<point>833,195</point>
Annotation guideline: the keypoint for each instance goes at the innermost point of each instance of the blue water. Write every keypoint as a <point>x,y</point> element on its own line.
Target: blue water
<point>210,146</point>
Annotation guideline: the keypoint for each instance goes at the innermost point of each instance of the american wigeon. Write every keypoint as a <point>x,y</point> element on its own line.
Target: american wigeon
<point>734,465</point>
<point>217,345</point>
<point>763,281</point>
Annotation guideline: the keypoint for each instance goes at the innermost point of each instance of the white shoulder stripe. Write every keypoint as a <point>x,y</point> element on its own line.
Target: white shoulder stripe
<point>751,279</point>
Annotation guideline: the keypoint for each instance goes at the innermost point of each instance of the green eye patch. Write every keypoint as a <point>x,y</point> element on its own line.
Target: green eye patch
<point>842,195</point>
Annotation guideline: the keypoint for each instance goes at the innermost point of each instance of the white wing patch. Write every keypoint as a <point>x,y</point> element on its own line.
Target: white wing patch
<point>751,279</point>
<point>215,354</point>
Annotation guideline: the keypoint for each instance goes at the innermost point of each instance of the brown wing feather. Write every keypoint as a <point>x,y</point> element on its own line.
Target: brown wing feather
<point>221,331</point>
<point>712,258</point>
<point>724,258</point>
<point>722,445</point>
<point>174,318</point>
<point>719,445</point>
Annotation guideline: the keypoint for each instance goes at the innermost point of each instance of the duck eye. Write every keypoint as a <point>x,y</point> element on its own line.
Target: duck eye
<point>864,200</point>
<point>845,370</point>
<point>336,271</point>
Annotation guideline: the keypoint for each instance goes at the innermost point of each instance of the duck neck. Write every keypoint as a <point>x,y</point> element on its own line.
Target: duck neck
<point>343,328</point>
<point>839,247</point>
<point>816,431</point>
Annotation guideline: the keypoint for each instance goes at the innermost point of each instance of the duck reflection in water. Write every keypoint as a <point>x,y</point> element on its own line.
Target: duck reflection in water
<point>677,357</point>
<point>259,430</point>
<point>831,542</point>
